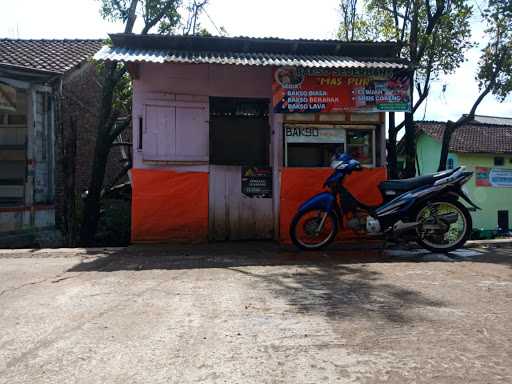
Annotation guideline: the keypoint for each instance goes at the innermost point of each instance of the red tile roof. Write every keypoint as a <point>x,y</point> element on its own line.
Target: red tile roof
<point>57,56</point>
<point>472,137</point>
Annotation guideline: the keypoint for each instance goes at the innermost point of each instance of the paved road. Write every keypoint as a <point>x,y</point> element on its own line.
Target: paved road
<point>248,313</point>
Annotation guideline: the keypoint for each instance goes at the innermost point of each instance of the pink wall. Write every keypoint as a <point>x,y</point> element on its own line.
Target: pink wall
<point>194,82</point>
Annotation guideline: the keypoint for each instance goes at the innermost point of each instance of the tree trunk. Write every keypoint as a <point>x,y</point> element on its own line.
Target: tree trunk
<point>410,131</point>
<point>410,146</point>
<point>91,212</point>
<point>392,148</point>
<point>70,211</point>
<point>451,126</point>
<point>92,202</point>
<point>445,147</point>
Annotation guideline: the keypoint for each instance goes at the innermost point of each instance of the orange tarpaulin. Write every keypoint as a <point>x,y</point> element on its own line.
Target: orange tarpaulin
<point>299,184</point>
<point>169,206</point>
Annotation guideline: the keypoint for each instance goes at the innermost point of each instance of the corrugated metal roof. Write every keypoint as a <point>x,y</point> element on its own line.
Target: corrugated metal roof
<point>125,54</point>
<point>493,120</point>
<point>252,51</point>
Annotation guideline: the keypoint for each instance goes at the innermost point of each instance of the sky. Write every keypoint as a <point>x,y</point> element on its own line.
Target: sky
<point>262,18</point>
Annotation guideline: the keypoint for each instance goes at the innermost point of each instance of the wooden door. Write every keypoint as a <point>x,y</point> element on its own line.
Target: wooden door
<point>233,214</point>
<point>240,197</point>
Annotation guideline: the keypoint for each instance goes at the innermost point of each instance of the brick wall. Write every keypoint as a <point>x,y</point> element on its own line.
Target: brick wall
<point>75,141</point>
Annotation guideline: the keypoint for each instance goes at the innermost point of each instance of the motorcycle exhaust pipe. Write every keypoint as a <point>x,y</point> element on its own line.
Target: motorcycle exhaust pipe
<point>400,226</point>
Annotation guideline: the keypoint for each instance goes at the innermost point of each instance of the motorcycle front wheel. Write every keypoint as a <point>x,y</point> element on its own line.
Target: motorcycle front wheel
<point>313,229</point>
<point>445,226</point>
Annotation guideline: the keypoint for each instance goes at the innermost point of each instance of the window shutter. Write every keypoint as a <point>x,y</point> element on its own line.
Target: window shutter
<point>176,131</point>
<point>192,141</point>
<point>159,132</point>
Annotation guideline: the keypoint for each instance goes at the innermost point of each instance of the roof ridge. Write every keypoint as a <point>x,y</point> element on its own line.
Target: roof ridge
<point>242,37</point>
<point>492,117</point>
<point>469,123</point>
<point>50,40</point>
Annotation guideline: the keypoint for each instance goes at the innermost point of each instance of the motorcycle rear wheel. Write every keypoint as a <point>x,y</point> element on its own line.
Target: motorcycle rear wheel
<point>461,237</point>
<point>302,236</point>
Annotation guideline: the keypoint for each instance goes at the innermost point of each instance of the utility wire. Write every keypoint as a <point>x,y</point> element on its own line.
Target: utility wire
<point>215,25</point>
<point>478,5</point>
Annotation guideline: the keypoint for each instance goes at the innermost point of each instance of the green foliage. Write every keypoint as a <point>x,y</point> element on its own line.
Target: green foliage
<point>495,66</point>
<point>166,12</point>
<point>443,31</point>
<point>432,35</point>
<point>357,23</point>
<point>191,26</point>
<point>115,10</point>
<point>114,224</point>
<point>122,101</point>
<point>449,40</point>
<point>160,14</point>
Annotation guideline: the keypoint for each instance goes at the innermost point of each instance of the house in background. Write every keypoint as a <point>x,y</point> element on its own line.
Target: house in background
<point>49,98</point>
<point>484,146</point>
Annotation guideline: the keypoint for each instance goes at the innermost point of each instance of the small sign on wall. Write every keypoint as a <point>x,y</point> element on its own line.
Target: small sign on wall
<point>300,133</point>
<point>257,182</point>
<point>493,177</point>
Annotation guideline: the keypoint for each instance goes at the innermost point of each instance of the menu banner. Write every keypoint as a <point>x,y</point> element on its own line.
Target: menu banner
<point>311,90</point>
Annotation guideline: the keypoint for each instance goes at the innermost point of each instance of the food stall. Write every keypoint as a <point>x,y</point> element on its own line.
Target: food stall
<point>231,133</point>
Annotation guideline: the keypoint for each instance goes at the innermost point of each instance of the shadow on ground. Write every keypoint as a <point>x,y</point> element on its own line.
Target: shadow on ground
<point>334,284</point>
<point>245,254</point>
<point>342,291</point>
<point>219,255</point>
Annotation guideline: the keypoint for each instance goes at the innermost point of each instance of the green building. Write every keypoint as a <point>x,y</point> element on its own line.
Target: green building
<point>483,146</point>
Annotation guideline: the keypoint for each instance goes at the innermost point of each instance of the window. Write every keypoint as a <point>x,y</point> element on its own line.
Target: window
<point>239,131</point>
<point>13,138</point>
<point>499,161</point>
<point>312,145</point>
<point>360,145</point>
<point>450,163</point>
<point>312,155</point>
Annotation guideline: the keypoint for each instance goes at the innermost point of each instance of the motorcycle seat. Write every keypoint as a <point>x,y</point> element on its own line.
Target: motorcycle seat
<point>414,182</point>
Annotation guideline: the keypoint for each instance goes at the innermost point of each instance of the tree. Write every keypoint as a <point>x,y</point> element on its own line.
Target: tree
<point>192,26</point>
<point>432,36</point>
<point>355,22</point>
<point>349,15</point>
<point>160,15</point>
<point>495,66</point>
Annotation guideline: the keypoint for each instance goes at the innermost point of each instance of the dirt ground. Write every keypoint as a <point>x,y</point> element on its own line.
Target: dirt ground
<point>252,313</point>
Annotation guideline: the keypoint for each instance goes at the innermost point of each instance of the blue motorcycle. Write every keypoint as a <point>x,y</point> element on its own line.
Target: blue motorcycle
<point>426,209</point>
